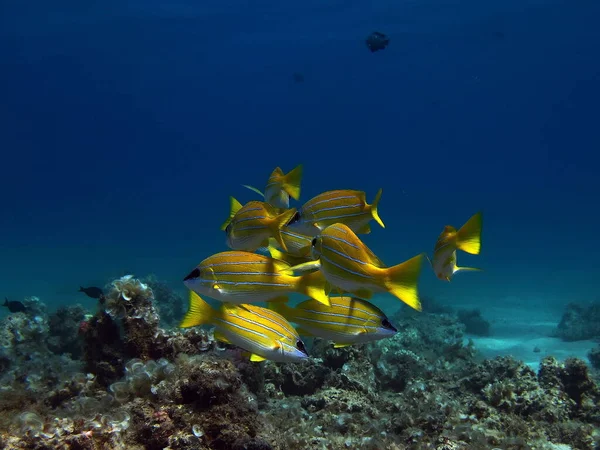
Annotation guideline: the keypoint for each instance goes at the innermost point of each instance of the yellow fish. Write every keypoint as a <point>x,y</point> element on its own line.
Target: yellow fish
<point>263,333</point>
<point>347,321</point>
<point>349,265</point>
<point>447,271</point>
<point>343,206</point>
<point>467,239</point>
<point>249,227</point>
<point>281,186</point>
<point>244,277</point>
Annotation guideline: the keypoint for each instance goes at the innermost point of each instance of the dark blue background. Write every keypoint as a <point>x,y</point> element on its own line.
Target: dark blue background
<point>124,127</point>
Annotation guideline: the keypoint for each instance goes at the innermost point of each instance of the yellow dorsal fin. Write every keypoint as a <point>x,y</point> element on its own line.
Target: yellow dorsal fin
<point>234,207</point>
<point>374,206</point>
<point>291,182</point>
<point>199,312</point>
<point>468,238</point>
<point>257,358</point>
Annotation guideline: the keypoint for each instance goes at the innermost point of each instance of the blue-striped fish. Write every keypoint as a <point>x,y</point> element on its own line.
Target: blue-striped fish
<point>263,333</point>
<point>244,277</point>
<point>343,206</point>
<point>249,227</point>
<point>281,186</point>
<point>467,239</point>
<point>350,266</point>
<point>347,321</point>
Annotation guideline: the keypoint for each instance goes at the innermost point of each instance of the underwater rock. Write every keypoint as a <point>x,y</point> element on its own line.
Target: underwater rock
<point>579,322</point>
<point>474,323</point>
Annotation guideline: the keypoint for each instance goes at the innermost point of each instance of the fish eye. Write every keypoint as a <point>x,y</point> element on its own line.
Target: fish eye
<point>300,346</point>
<point>314,242</point>
<point>194,274</point>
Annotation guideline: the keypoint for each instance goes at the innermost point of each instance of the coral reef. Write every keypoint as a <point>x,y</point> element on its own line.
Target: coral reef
<point>579,322</point>
<point>139,386</point>
<point>128,328</point>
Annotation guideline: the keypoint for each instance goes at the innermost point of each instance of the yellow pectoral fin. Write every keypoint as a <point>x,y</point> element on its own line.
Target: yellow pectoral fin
<point>257,358</point>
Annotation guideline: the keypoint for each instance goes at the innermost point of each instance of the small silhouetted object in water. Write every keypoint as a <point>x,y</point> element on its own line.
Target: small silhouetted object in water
<point>298,78</point>
<point>14,306</point>
<point>93,292</point>
<point>377,41</point>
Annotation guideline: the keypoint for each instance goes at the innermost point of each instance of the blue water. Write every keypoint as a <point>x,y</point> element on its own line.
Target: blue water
<point>125,126</point>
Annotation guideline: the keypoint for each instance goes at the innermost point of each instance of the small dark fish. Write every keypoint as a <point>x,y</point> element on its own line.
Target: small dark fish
<point>92,292</point>
<point>298,78</point>
<point>14,306</point>
<point>377,41</point>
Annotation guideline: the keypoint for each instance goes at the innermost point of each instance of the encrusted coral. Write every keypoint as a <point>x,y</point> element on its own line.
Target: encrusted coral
<point>144,387</point>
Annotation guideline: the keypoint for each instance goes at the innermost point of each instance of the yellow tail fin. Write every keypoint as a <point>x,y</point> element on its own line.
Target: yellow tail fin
<point>291,182</point>
<point>402,279</point>
<point>468,238</point>
<point>313,284</point>
<point>278,223</point>
<point>234,207</point>
<point>374,211</point>
<point>199,312</point>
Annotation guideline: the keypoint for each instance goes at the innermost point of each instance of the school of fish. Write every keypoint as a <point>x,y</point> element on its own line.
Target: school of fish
<point>313,250</point>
